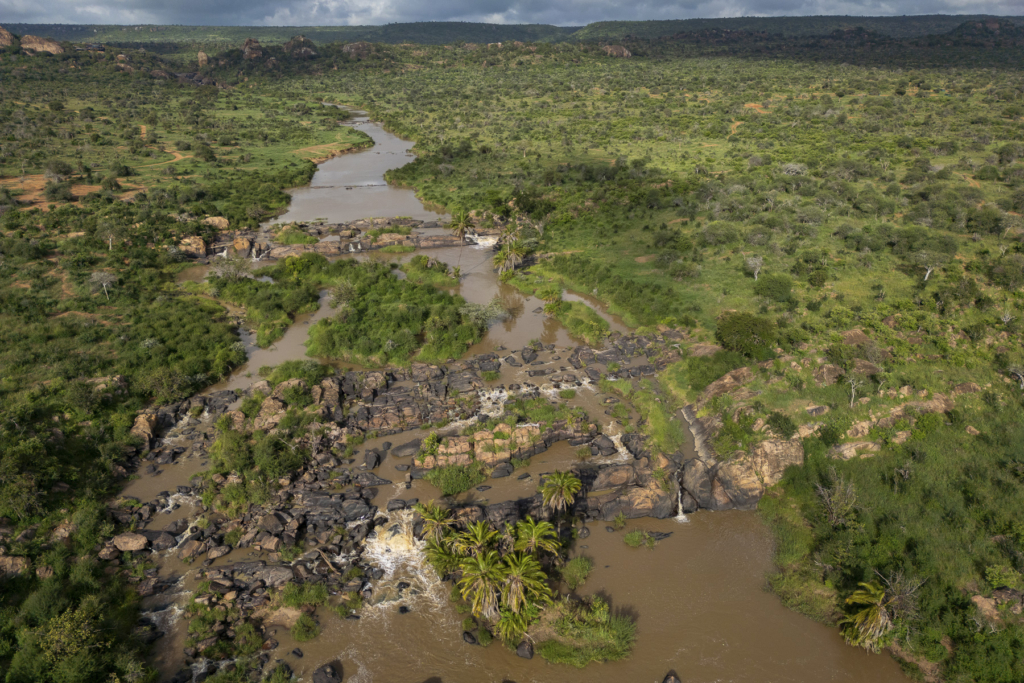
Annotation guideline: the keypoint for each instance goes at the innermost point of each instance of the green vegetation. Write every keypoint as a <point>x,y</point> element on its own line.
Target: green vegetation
<point>576,571</point>
<point>638,538</point>
<point>587,633</point>
<point>452,480</point>
<point>305,628</point>
<point>381,319</point>
<point>303,594</point>
<point>776,196</point>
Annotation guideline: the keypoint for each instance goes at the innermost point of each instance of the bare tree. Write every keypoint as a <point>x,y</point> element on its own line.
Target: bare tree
<point>108,232</point>
<point>854,385</point>
<point>233,268</point>
<point>754,265</point>
<point>930,261</point>
<point>1006,317</point>
<point>839,500</point>
<point>104,280</point>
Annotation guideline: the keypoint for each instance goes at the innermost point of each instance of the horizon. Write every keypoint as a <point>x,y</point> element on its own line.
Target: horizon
<point>377,13</point>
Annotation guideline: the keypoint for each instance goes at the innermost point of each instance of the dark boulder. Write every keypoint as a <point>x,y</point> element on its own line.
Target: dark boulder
<point>525,650</point>
<point>469,637</point>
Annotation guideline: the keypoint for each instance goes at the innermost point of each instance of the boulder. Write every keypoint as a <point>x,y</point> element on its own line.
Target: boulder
<point>641,501</point>
<point>328,673</point>
<point>525,650</point>
<point>218,551</point>
<point>863,367</point>
<point>159,540</point>
<point>271,523</point>
<point>359,49</point>
<point>614,477</point>
<point>143,428</point>
<point>828,374</point>
<point>218,222</point>
<point>130,542</point>
<point>6,38</point>
<point>251,49</point>
<point>727,383</point>
<point>191,549</point>
<point>745,479</point>
<point>617,51</point>
<point>12,566</point>
<point>697,481</point>
<point>37,44</point>
<point>193,246</point>
<point>202,59</point>
<point>288,386</point>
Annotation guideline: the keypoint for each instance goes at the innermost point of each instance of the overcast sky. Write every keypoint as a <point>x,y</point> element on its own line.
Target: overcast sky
<point>362,12</point>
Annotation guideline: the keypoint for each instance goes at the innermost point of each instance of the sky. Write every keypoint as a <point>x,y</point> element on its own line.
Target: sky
<point>369,12</point>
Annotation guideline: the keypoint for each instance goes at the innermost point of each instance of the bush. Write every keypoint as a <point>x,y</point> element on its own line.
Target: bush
<point>774,286</point>
<point>454,479</point>
<point>298,595</point>
<point>752,335</point>
<point>588,633</point>
<point>305,629</point>
<point>782,424</point>
<point>576,571</point>
<point>638,537</point>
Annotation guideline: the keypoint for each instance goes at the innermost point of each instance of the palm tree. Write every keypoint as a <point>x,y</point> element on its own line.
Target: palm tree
<point>459,226</point>
<point>442,557</point>
<point>559,490</point>
<point>475,539</point>
<point>481,582</point>
<point>532,536</point>
<point>512,627</point>
<point>436,520</point>
<point>509,256</point>
<point>524,582</point>
<point>868,627</point>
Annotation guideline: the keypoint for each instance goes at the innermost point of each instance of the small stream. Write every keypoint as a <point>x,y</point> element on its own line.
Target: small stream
<point>699,597</point>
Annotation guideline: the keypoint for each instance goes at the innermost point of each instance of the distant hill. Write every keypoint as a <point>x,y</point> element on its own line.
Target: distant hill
<point>447,32</point>
<point>894,27</point>
<point>427,33</point>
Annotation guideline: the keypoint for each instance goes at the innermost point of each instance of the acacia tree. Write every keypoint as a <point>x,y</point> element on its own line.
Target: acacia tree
<point>754,264</point>
<point>108,232</point>
<point>104,280</point>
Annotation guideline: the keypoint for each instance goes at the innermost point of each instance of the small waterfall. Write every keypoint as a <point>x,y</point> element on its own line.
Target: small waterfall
<point>408,578</point>
<point>680,515</point>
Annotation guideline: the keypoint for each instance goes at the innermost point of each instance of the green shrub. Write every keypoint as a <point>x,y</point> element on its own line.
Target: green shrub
<point>782,424</point>
<point>452,480</point>
<point>305,629</point>
<point>774,286</point>
<point>490,375</point>
<point>576,571</point>
<point>752,335</point>
<point>588,633</point>
<point>638,537</point>
<point>302,594</point>
<point>567,394</point>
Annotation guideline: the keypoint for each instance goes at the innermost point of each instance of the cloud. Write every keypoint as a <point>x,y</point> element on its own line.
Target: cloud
<point>375,12</point>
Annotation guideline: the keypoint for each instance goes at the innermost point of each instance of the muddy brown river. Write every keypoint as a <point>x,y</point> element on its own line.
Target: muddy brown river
<point>699,597</point>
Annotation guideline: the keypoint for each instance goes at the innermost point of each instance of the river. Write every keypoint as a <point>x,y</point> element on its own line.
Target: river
<point>699,597</point>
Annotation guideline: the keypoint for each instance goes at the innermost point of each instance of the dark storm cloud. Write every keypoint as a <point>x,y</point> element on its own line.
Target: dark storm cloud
<point>363,12</point>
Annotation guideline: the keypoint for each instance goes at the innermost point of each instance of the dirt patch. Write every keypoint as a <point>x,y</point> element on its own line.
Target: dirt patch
<point>31,189</point>
<point>970,181</point>
<point>318,154</point>
<point>756,107</point>
<point>646,259</point>
<point>178,156</point>
<point>734,126</point>
<point>142,133</point>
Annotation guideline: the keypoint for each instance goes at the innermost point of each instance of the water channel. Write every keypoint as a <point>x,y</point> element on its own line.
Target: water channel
<point>699,598</point>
